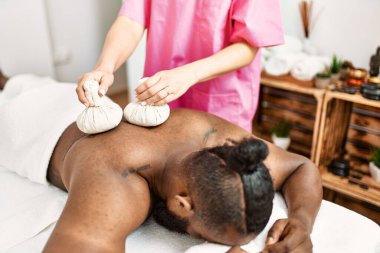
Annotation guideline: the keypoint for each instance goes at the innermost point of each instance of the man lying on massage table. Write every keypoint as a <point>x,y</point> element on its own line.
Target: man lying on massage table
<point>196,173</point>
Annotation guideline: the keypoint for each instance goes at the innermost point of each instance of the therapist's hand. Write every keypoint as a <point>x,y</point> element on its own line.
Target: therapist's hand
<point>104,78</point>
<point>166,86</point>
<point>288,235</point>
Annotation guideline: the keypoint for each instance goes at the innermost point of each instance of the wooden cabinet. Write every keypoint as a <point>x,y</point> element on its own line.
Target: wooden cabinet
<point>326,125</point>
<point>285,99</point>
<point>350,127</point>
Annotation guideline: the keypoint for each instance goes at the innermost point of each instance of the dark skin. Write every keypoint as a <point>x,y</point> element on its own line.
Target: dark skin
<point>110,179</point>
<point>3,80</point>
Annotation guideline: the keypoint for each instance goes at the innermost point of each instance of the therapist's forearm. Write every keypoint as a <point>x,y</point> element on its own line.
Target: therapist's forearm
<point>121,41</point>
<point>303,194</point>
<point>229,59</point>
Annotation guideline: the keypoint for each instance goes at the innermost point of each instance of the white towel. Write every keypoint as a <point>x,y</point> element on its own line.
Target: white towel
<point>279,60</point>
<point>256,245</point>
<point>336,230</point>
<point>306,68</point>
<point>34,112</point>
<point>26,208</point>
<point>281,64</point>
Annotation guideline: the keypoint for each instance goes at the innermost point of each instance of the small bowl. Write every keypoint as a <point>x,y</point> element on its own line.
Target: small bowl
<point>355,82</point>
<point>374,80</point>
<point>340,167</point>
<point>358,73</point>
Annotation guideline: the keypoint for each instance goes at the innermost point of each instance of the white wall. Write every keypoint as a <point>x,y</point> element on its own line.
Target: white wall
<point>61,39</point>
<point>78,30</point>
<point>25,45</point>
<point>135,67</point>
<point>349,28</point>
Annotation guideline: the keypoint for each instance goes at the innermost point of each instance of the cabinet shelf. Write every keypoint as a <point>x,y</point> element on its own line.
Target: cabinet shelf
<point>342,185</point>
<point>345,125</point>
<point>284,98</point>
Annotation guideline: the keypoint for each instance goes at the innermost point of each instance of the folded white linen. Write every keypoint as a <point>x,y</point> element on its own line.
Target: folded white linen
<point>281,64</point>
<point>307,67</point>
<point>256,245</point>
<point>279,60</point>
<point>26,209</point>
<point>28,212</point>
<point>336,230</point>
<point>34,112</point>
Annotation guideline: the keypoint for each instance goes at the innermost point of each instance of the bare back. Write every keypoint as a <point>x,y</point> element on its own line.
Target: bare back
<point>107,199</point>
<point>109,194</point>
<point>129,146</point>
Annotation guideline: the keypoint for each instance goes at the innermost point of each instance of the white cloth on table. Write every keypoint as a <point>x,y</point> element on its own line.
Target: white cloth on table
<point>28,212</point>
<point>306,68</point>
<point>26,208</point>
<point>298,58</point>
<point>336,230</point>
<point>34,112</point>
<point>281,64</point>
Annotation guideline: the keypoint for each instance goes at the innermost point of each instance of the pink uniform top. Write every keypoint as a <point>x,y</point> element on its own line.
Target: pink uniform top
<point>183,31</point>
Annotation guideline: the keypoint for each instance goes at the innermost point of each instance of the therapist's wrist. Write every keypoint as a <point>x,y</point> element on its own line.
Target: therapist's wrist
<point>105,67</point>
<point>105,70</point>
<point>200,70</point>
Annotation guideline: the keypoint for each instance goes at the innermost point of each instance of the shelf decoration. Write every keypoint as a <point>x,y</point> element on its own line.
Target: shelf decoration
<point>280,134</point>
<point>374,166</point>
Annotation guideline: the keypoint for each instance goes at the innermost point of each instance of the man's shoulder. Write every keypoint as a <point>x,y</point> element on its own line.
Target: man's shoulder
<point>209,125</point>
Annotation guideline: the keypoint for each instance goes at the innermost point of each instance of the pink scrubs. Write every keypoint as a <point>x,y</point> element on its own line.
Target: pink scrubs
<point>183,31</point>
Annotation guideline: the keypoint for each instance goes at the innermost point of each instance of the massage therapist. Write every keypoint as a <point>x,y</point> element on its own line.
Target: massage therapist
<point>201,54</point>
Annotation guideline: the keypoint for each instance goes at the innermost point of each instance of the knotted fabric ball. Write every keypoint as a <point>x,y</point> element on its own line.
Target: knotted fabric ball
<point>102,114</point>
<point>146,115</point>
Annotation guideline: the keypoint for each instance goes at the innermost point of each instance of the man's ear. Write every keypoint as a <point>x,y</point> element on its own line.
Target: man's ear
<point>181,205</point>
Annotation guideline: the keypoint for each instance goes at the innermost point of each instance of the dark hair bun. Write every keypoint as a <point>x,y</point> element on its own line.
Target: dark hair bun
<point>245,157</point>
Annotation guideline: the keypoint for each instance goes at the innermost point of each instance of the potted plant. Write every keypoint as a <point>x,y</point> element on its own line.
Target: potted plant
<point>345,70</point>
<point>322,80</point>
<point>280,134</point>
<point>374,165</point>
<point>335,68</point>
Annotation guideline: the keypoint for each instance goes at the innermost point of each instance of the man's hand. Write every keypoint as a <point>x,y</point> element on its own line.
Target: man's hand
<point>166,86</point>
<point>288,235</point>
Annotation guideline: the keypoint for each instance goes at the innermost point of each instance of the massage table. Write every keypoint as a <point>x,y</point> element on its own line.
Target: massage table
<point>29,211</point>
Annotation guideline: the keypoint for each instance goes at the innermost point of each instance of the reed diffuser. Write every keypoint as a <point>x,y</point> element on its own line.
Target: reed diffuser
<point>306,8</point>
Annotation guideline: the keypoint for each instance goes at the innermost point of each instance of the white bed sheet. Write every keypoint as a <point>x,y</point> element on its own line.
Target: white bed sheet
<point>28,213</point>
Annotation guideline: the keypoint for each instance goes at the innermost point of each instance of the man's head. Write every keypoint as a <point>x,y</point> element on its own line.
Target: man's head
<point>229,194</point>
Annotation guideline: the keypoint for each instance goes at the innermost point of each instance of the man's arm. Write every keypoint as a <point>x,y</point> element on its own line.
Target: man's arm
<point>103,207</point>
<point>300,182</point>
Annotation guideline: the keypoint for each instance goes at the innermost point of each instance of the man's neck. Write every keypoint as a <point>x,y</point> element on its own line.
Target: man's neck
<point>168,180</point>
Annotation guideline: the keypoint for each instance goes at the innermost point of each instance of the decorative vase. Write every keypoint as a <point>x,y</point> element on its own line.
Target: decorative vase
<point>282,142</point>
<point>375,171</point>
<point>321,82</point>
<point>335,78</point>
